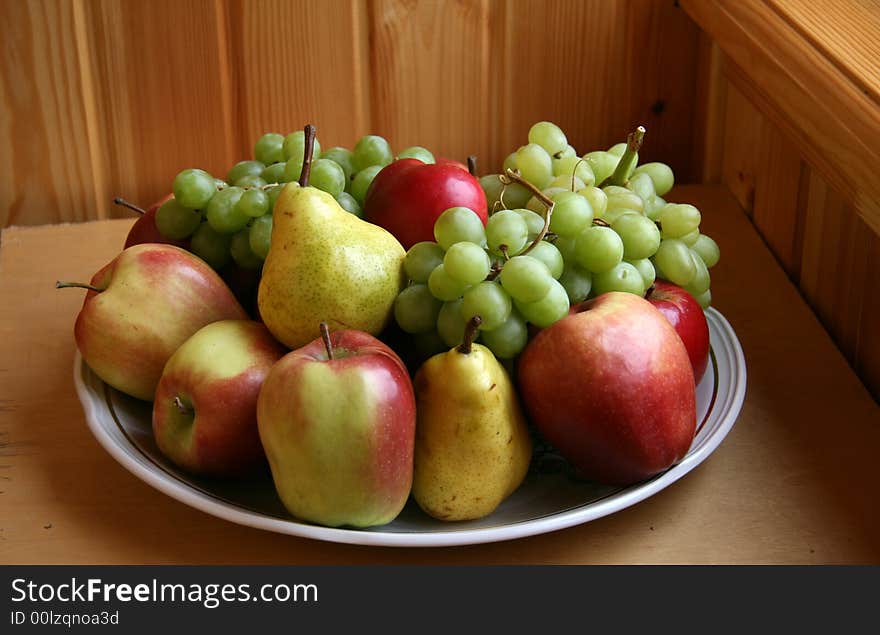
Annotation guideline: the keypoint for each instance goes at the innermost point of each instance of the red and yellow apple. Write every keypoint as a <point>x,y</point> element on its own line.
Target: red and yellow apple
<point>205,409</point>
<point>141,307</point>
<point>337,422</point>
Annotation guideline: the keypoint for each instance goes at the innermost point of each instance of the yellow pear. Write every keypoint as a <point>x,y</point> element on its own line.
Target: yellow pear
<point>473,446</point>
<point>326,265</point>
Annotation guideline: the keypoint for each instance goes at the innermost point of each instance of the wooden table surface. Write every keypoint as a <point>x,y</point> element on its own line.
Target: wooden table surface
<point>795,481</point>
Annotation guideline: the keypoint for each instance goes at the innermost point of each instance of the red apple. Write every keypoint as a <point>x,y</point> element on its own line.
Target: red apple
<point>407,196</point>
<point>611,388</point>
<point>337,421</point>
<point>141,307</point>
<point>205,410</point>
<point>687,317</point>
<point>144,229</point>
<point>452,162</point>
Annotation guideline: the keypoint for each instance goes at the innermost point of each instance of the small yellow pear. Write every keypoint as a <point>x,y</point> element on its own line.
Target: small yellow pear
<point>473,447</point>
<point>326,265</point>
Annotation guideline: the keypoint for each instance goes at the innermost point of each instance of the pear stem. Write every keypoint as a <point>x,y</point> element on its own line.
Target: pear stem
<point>633,145</point>
<point>121,201</point>
<point>513,176</point>
<point>470,332</point>
<point>472,165</point>
<point>182,407</point>
<point>308,153</point>
<point>325,335</point>
<point>79,285</point>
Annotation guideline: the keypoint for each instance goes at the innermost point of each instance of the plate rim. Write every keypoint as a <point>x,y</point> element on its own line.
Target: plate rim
<point>626,497</point>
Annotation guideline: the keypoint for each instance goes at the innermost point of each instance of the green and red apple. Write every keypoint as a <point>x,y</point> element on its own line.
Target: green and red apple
<point>141,307</point>
<point>337,421</point>
<point>205,410</point>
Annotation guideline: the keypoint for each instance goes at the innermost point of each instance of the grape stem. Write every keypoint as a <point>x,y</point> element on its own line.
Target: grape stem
<point>79,285</point>
<point>472,165</point>
<point>121,201</point>
<point>325,335</point>
<point>513,176</point>
<point>627,159</point>
<point>308,153</point>
<point>470,332</point>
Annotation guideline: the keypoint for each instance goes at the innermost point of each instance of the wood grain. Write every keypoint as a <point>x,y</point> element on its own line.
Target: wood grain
<point>710,104</point>
<point>152,121</point>
<point>294,63</point>
<point>846,36</point>
<point>833,121</point>
<point>429,75</point>
<point>49,172</point>
<point>598,69</point>
<point>779,489</point>
<point>129,92</point>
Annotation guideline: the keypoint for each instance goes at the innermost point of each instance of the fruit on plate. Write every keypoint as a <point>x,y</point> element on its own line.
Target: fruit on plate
<point>612,389</point>
<point>473,446</point>
<point>408,196</point>
<point>141,307</point>
<point>205,408</point>
<point>326,265</point>
<point>688,319</point>
<point>337,421</point>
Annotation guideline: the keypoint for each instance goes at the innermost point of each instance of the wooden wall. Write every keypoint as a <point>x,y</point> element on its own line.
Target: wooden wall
<point>100,98</point>
<point>820,227</point>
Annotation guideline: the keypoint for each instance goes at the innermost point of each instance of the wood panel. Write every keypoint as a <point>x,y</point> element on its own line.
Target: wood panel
<point>815,232</point>
<point>46,149</point>
<point>294,63</point>
<point>848,36</point>
<point>153,121</point>
<point>763,172</point>
<point>599,69</point>
<point>832,119</point>
<point>112,97</point>
<point>429,74</point>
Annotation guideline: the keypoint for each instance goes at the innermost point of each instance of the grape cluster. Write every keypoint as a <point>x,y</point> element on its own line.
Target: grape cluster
<point>231,219</point>
<point>610,222</point>
<point>563,229</point>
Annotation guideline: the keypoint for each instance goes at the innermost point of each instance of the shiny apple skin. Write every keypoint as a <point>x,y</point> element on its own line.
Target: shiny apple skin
<point>611,388</point>
<point>687,318</point>
<point>407,196</point>
<point>217,373</point>
<point>340,434</point>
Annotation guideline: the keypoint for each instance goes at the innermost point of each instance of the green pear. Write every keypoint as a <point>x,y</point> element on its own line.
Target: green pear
<point>473,446</point>
<point>326,265</point>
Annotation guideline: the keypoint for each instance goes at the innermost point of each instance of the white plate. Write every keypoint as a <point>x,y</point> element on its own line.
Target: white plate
<point>548,499</point>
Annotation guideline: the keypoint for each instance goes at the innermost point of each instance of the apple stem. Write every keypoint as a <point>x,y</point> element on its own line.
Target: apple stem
<point>184,410</point>
<point>121,201</point>
<point>79,285</point>
<point>470,333</point>
<point>325,335</point>
<point>628,158</point>
<point>308,153</point>
<point>513,176</point>
<point>472,165</point>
